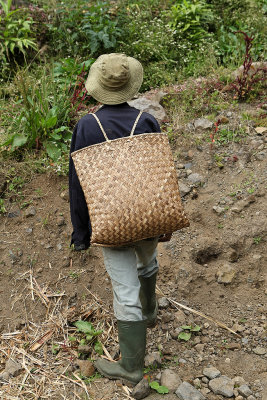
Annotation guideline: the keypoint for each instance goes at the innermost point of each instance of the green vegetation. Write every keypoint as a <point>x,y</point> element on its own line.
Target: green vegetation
<point>47,48</point>
<point>187,332</point>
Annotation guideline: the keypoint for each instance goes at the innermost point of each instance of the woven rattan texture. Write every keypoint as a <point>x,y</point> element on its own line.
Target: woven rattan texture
<point>131,189</point>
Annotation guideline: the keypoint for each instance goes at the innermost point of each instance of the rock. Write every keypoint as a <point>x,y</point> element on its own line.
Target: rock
<point>199,347</point>
<point>87,368</point>
<point>65,195</point>
<point>211,372</point>
<point>184,189</point>
<point>219,210</point>
<point>226,274</point>
<point>13,368</point>
<point>260,156</point>
<point>166,317</point>
<point>222,385</point>
<point>202,123</point>
<point>234,346</point>
<point>196,179</point>
<point>4,377</point>
<point>83,348</point>
<point>141,390</point>
<point>175,333</point>
<point>152,107</point>
<point>258,64</point>
<point>238,381</point>
<point>180,317</point>
<point>197,383</point>
<point>253,398</point>
<point>260,351</point>
<point>61,221</point>
<point>13,214</point>
<point>163,302</point>
<point>261,129</point>
<point>30,212</point>
<point>187,392</point>
<point>153,359</point>
<point>170,379</point>
<point>244,390</point>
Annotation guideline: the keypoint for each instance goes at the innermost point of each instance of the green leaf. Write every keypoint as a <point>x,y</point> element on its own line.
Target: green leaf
<point>52,150</point>
<point>184,336</point>
<point>51,122</point>
<point>98,348</point>
<point>154,385</point>
<point>160,389</point>
<point>18,141</point>
<point>196,328</point>
<point>187,327</point>
<point>89,337</point>
<point>84,326</point>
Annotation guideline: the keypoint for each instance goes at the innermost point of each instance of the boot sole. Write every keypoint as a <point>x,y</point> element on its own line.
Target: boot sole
<point>125,381</point>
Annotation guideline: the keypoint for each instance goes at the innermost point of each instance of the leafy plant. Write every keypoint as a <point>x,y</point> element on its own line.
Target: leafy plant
<point>90,335</point>
<point>249,76</point>
<point>83,28</point>
<point>191,19</point>
<point>160,389</point>
<point>2,207</point>
<point>16,34</point>
<point>257,239</point>
<point>44,117</point>
<point>187,332</point>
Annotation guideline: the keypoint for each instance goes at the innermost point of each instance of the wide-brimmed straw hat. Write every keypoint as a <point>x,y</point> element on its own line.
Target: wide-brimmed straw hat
<point>114,78</point>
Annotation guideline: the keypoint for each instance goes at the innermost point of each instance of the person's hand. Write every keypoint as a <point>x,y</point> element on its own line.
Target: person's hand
<point>165,238</point>
<point>80,247</point>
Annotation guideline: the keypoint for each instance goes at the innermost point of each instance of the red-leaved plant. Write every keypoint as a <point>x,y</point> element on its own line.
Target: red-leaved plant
<point>249,76</point>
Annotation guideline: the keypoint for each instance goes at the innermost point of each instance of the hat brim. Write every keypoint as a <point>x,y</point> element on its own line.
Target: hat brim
<point>118,96</point>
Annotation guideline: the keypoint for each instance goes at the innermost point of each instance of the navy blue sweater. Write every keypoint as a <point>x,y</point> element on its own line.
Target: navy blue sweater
<point>117,121</point>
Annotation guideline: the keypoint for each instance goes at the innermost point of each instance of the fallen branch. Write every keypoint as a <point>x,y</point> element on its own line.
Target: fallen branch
<point>176,304</point>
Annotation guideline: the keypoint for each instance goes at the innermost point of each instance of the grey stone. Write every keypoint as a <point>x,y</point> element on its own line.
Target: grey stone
<point>4,377</point>
<point>184,189</point>
<point>222,385</point>
<point>163,302</point>
<point>187,392</point>
<point>196,179</point>
<point>13,214</point>
<point>61,221</point>
<point>147,105</point>
<point>13,368</point>
<point>65,195</point>
<point>260,351</point>
<point>251,398</point>
<point>170,379</point>
<point>260,156</point>
<point>30,212</point>
<point>219,210</point>
<point>226,274</point>
<point>258,64</point>
<point>153,359</point>
<point>28,230</point>
<point>141,390</point>
<point>238,381</point>
<point>202,123</point>
<point>211,372</point>
<point>244,390</point>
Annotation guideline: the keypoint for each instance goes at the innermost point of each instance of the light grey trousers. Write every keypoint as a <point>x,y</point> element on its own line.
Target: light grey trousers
<point>124,265</point>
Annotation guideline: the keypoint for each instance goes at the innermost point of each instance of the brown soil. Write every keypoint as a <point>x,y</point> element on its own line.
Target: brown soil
<point>37,247</point>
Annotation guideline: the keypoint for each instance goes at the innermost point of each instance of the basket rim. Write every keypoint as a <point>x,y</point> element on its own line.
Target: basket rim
<point>119,139</point>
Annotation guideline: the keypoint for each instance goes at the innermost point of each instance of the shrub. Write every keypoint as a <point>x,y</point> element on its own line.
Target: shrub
<point>16,35</point>
<point>44,116</point>
<point>83,29</point>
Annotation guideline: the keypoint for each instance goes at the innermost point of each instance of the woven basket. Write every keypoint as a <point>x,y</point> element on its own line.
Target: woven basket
<point>131,189</point>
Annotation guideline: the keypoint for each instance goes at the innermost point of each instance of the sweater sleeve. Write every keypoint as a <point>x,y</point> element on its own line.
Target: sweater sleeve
<point>78,208</point>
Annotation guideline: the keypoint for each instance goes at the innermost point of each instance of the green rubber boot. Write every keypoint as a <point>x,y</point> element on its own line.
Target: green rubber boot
<point>132,341</point>
<point>148,298</point>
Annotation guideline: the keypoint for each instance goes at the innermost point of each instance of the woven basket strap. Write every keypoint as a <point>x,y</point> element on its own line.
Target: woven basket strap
<point>101,127</point>
<point>136,121</point>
